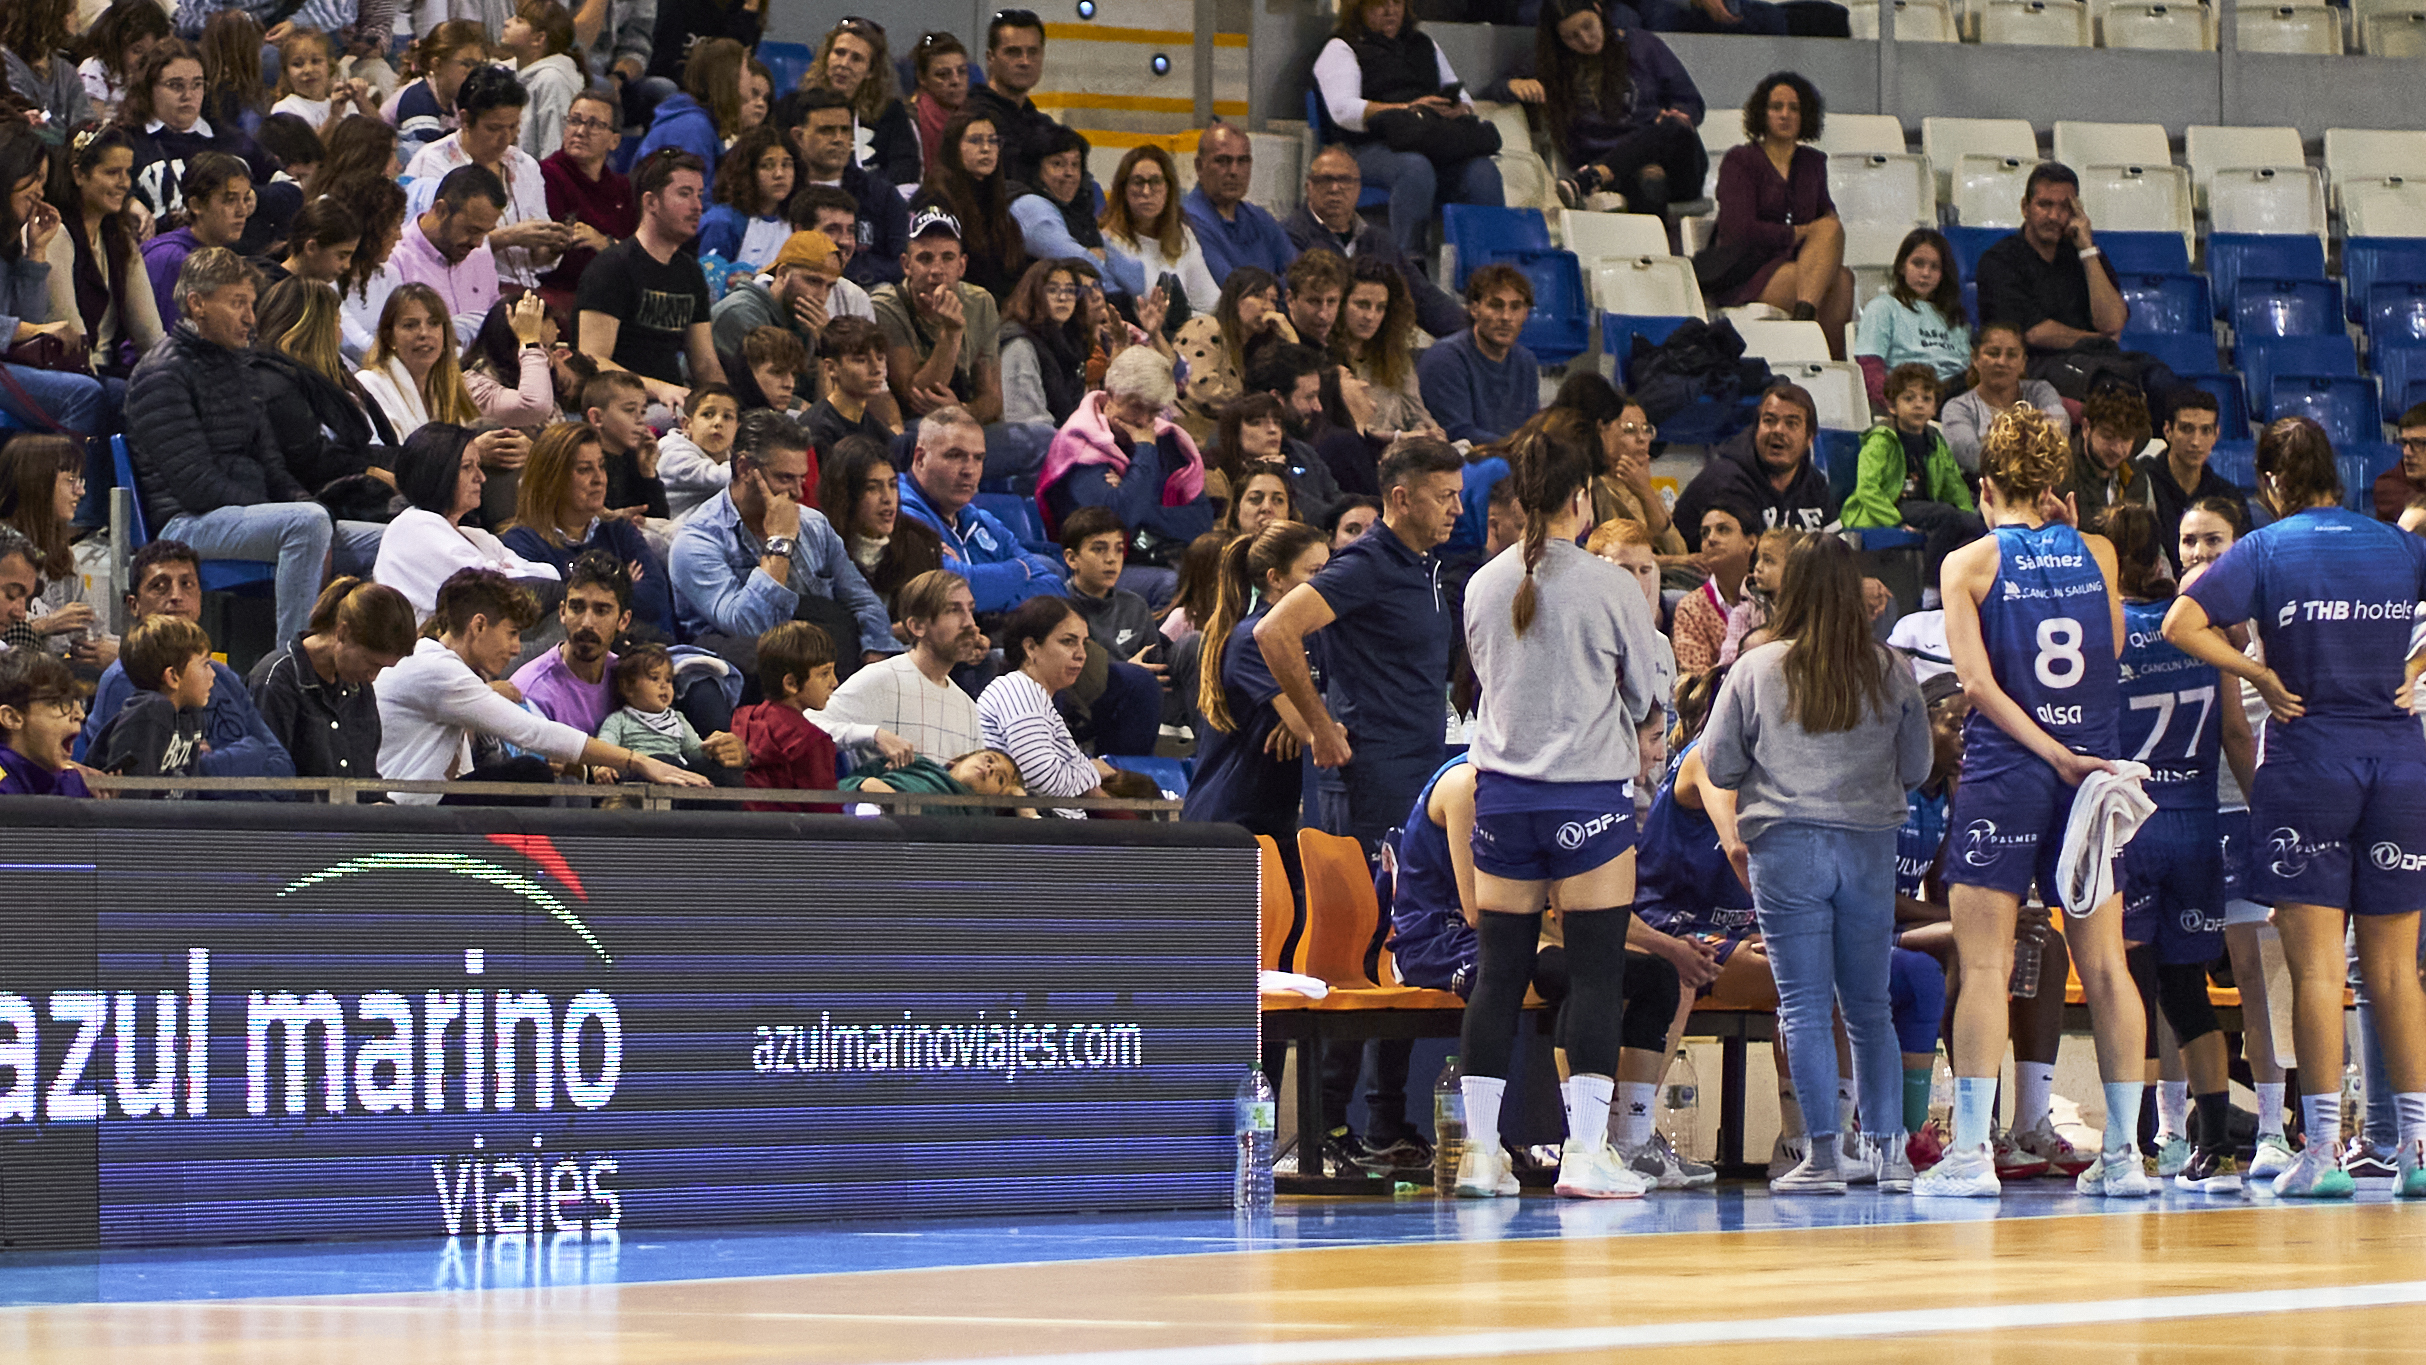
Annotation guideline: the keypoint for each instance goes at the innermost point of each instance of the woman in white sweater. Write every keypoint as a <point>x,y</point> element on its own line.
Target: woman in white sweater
<point>440,473</point>
<point>1045,644</point>
<point>1141,217</point>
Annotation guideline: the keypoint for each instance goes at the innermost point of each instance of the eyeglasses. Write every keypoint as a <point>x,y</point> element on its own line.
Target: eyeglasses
<point>1643,429</point>
<point>1333,182</point>
<point>2413,443</point>
<point>1144,182</point>
<point>182,87</point>
<point>586,124</point>
<point>1060,291</point>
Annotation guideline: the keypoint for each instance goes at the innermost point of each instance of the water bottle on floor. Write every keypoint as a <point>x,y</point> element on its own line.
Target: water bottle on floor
<point>1256,1115</point>
<point>1448,1127</point>
<point>1680,1105</point>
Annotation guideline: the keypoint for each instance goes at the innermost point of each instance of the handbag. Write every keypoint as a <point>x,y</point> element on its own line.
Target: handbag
<point>1446,141</point>
<point>42,353</point>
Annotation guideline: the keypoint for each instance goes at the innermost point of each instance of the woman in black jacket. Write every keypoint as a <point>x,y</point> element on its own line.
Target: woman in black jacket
<point>324,425</point>
<point>315,695</point>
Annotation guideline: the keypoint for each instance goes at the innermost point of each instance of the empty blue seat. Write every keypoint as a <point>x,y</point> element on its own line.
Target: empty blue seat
<point>787,63</point>
<point>2231,403</point>
<point>2230,255</point>
<point>1325,133</point>
<point>2369,261</point>
<point>2265,306</point>
<point>1560,328</point>
<point>2344,405</point>
<point>1840,455</point>
<point>2236,463</point>
<point>1020,516</point>
<point>2396,314</point>
<point>2360,464</point>
<point>2402,371</point>
<point>1482,234</point>
<point>2191,352</point>
<point>1970,243</point>
<point>1617,334</point>
<point>2163,253</point>
<point>2262,358</point>
<point>2167,303</point>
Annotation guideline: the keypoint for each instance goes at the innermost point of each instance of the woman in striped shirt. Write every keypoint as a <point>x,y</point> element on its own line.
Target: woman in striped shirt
<point>1045,643</point>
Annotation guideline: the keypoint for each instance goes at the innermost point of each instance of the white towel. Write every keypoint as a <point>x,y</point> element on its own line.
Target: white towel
<point>2106,813</point>
<point>1269,982</point>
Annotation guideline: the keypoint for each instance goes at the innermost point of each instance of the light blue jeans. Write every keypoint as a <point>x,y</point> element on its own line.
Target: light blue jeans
<point>296,536</point>
<point>78,402</point>
<point>1826,901</point>
<point>1416,187</point>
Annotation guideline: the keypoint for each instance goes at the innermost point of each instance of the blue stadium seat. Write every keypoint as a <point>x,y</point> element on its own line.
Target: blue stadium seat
<point>2167,303</point>
<point>2396,314</point>
<point>2231,402</point>
<point>2191,352</point>
<point>2402,370</point>
<point>1020,515</point>
<point>1483,234</point>
<point>2230,255</point>
<point>1617,333</point>
<point>2262,358</point>
<point>2265,306</point>
<point>2236,463</point>
<point>2360,464</point>
<point>2162,253</point>
<point>1171,774</point>
<point>2344,405</point>
<point>1325,133</point>
<point>1560,328</point>
<point>1839,454</point>
<point>252,577</point>
<point>1970,243</point>
<point>788,63</point>
<point>2369,261</point>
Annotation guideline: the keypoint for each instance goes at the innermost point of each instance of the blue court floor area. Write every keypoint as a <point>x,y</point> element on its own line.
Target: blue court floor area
<point>478,1263</point>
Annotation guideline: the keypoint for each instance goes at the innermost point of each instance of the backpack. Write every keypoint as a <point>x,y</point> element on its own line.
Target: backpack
<point>1699,361</point>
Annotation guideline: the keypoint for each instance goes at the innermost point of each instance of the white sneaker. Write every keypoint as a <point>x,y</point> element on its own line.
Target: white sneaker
<point>1858,1159</point>
<point>1894,1164</point>
<point>2273,1157</point>
<point>1661,1164</point>
<point>1788,1154</point>
<point>1960,1174</point>
<point>2040,1140</point>
<point>2172,1154</point>
<point>2117,1175</point>
<point>1594,1172</point>
<point>1809,1179</point>
<point>1485,1173</point>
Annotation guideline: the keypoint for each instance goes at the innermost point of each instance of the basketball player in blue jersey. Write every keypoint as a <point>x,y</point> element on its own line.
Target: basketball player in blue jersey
<point>2176,718</point>
<point>1562,646</point>
<point>2340,801</point>
<point>2034,626</point>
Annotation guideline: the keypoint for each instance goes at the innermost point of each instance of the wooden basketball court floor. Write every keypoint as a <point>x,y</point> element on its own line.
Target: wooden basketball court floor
<point>2044,1277</point>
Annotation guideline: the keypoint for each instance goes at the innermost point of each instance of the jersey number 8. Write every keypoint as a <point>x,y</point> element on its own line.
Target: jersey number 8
<point>2059,663</point>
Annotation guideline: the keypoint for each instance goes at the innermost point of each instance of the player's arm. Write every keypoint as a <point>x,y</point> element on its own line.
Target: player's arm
<point>2240,742</point>
<point>1452,805</point>
<point>1281,635</point>
<point>2188,630</point>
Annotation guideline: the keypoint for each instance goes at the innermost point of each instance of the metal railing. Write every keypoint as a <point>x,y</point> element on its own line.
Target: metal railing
<point>346,791</point>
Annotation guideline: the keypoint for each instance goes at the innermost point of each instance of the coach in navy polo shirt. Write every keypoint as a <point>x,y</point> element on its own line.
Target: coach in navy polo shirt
<point>1387,627</point>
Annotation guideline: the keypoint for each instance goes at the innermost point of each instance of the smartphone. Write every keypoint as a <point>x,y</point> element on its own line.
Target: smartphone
<point>1454,91</point>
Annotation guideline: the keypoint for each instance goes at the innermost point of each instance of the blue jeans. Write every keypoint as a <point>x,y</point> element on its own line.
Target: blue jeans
<point>78,402</point>
<point>1415,188</point>
<point>296,536</point>
<point>1826,900</point>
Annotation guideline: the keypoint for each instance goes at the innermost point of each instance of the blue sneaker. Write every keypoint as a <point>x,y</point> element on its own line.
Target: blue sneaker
<point>2316,1175</point>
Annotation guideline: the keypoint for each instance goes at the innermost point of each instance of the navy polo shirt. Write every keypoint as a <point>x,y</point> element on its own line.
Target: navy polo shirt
<point>1388,651</point>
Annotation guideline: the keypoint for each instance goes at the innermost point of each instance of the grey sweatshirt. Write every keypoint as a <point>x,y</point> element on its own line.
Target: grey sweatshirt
<point>1560,702</point>
<point>1852,779</point>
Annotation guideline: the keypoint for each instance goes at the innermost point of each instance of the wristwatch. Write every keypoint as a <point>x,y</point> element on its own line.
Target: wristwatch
<point>780,546</point>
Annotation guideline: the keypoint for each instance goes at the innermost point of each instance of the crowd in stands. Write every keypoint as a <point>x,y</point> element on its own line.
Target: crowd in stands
<point>964,475</point>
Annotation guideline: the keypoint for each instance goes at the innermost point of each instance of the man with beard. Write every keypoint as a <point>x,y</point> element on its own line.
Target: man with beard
<point>569,683</point>
<point>644,305</point>
<point>912,694</point>
<point>1765,469</point>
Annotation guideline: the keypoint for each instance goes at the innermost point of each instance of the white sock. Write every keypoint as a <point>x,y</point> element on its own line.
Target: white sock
<point>1635,1115</point>
<point>2033,1085</point>
<point>1588,1108</point>
<point>2123,1115</point>
<point>1789,1115</point>
<point>2172,1110</point>
<point>1848,1102</point>
<point>2411,1109</point>
<point>2270,1108</point>
<point>1482,1110</point>
<point>1974,1111</point>
<point>2324,1115</point>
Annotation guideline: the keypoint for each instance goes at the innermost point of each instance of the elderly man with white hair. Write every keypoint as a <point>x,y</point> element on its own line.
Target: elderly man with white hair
<point>1121,451</point>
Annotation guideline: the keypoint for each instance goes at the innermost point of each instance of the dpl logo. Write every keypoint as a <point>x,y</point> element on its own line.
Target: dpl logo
<point>2391,857</point>
<point>1576,833</point>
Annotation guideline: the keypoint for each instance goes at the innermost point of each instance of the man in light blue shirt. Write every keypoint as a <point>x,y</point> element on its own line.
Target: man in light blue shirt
<point>1232,231</point>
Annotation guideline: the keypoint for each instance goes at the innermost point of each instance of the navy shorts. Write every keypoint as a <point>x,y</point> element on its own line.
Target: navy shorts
<point>2007,830</point>
<point>2173,887</point>
<point>2346,833</point>
<point>1528,831</point>
<point>1916,995</point>
<point>2232,833</point>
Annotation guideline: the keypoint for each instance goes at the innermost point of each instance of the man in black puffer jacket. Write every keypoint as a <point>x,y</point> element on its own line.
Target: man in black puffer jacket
<point>212,475</point>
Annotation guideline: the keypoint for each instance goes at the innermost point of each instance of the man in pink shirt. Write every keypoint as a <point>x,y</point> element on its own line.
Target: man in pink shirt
<point>447,247</point>
<point>569,684</point>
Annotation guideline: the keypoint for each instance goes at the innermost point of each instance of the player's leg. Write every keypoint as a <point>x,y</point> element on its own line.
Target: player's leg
<point>2121,1027</point>
<point>1594,914</point>
<point>2312,946</point>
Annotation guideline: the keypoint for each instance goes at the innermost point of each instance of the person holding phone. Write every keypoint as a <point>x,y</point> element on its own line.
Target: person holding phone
<point>1378,62</point>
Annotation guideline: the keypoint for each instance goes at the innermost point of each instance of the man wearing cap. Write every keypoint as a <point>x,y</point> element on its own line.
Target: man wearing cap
<point>801,291</point>
<point>941,335</point>
<point>1015,62</point>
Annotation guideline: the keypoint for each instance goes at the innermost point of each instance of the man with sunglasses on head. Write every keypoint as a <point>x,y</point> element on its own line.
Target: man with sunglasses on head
<point>1015,61</point>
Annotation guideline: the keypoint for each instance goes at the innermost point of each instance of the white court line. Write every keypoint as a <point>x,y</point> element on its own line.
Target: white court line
<point>1813,1327</point>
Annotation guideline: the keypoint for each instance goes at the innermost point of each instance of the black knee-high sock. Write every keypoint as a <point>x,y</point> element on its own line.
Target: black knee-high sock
<point>1596,959</point>
<point>1502,970</point>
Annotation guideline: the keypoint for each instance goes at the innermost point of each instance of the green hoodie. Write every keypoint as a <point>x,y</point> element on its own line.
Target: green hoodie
<point>1878,480</point>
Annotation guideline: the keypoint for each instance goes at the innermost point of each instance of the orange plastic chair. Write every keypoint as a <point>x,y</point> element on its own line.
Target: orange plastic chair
<point>1342,916</point>
<point>1279,917</point>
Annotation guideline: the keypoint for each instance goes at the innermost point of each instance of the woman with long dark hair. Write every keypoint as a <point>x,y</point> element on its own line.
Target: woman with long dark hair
<point>860,493</point>
<point>1624,432</point>
<point>560,511</point>
<point>1045,344</point>
<point>1247,768</point>
<point>1214,345</point>
<point>1620,104</point>
<point>1379,66</point>
<point>1561,644</point>
<point>41,481</point>
<point>854,60</point>
<point>31,236</point>
<point>1044,645</point>
<point>966,181</point>
<point>1819,734</point>
<point>35,36</point>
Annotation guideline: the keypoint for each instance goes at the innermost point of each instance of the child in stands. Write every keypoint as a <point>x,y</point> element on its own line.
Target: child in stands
<point>39,718</point>
<point>1095,549</point>
<point>1907,476</point>
<point>158,732</point>
<point>618,405</point>
<point>695,463</point>
<point>649,724</point>
<point>788,751</point>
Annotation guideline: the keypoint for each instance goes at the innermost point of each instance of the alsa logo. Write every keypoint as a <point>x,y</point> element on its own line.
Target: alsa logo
<point>1576,833</point>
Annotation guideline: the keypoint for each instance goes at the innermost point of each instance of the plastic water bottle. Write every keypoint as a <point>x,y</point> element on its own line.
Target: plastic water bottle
<point>1257,1114</point>
<point>2354,1104</point>
<point>1680,1106</point>
<point>1448,1128</point>
<point>2029,954</point>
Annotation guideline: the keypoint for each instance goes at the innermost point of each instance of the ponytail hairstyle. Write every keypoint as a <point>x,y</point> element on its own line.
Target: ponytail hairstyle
<point>2296,457</point>
<point>1835,669</point>
<point>1548,466</point>
<point>2141,571</point>
<point>1696,695</point>
<point>372,615</point>
<point>2024,455</point>
<point>1245,563</point>
<point>1199,580</point>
